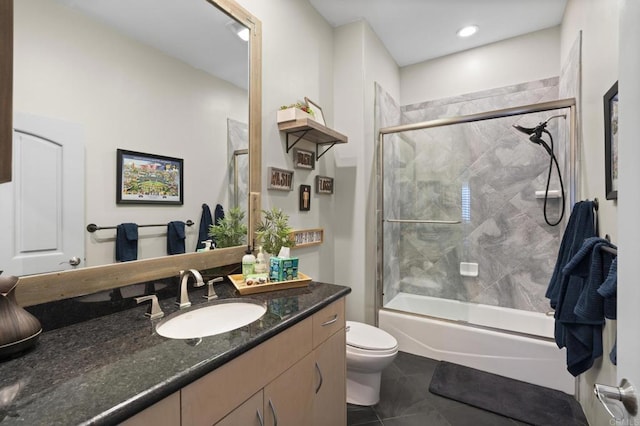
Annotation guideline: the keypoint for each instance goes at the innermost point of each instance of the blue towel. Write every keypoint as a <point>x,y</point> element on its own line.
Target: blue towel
<point>568,332</point>
<point>609,290</point>
<point>580,227</point>
<point>219,215</point>
<point>175,237</point>
<point>205,222</point>
<point>581,312</point>
<point>126,242</point>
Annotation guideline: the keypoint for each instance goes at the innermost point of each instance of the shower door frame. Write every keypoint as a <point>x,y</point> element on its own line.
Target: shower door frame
<point>574,164</point>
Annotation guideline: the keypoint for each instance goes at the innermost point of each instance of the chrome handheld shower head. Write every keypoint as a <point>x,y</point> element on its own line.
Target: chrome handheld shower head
<point>525,130</point>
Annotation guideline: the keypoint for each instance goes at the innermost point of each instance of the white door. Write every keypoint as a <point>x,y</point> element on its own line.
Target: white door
<point>628,321</point>
<point>42,208</point>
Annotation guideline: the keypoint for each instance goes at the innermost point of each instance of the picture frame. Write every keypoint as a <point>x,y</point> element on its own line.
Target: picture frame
<point>611,142</point>
<point>324,185</point>
<point>303,159</point>
<point>279,179</point>
<point>143,178</point>
<point>317,111</point>
<point>305,198</point>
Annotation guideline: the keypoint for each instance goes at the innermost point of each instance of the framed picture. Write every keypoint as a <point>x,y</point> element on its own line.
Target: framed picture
<point>148,179</point>
<point>317,111</point>
<point>611,142</point>
<point>280,179</point>
<point>304,159</point>
<point>324,185</point>
<point>305,198</point>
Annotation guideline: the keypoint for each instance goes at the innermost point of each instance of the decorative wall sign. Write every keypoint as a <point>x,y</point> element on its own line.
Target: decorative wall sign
<point>280,179</point>
<point>305,197</point>
<point>324,185</point>
<point>611,142</point>
<point>304,159</point>
<point>307,237</point>
<point>148,179</point>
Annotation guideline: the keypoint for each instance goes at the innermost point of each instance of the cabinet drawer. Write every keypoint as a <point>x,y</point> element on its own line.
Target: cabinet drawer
<point>328,321</point>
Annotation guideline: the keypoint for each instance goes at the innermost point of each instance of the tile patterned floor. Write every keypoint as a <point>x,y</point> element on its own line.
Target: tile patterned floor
<point>405,400</point>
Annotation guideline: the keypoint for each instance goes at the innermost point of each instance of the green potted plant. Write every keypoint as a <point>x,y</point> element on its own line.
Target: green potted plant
<point>294,112</point>
<point>273,232</point>
<point>230,231</point>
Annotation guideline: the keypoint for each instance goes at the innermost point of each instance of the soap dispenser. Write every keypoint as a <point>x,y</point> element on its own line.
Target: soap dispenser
<point>261,265</point>
<point>248,263</point>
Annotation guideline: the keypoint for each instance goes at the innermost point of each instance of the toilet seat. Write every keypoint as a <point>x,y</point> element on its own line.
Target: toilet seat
<point>363,338</point>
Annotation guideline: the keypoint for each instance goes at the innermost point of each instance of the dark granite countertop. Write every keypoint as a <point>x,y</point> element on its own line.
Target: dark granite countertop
<point>106,369</point>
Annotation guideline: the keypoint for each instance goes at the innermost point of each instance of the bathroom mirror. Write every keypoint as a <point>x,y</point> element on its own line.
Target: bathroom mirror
<point>165,106</point>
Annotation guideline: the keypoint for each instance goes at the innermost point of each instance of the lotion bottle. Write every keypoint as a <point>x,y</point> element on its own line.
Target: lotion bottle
<point>248,264</point>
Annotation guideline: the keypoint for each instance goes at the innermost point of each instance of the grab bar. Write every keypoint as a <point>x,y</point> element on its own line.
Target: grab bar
<point>439,222</point>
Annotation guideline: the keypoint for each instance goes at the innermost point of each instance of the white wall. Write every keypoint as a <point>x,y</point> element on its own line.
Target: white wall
<point>125,95</point>
<point>360,61</point>
<point>297,52</point>
<point>528,57</point>
<point>598,21</point>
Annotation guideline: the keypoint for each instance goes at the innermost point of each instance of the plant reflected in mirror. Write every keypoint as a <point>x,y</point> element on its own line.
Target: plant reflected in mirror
<point>229,231</point>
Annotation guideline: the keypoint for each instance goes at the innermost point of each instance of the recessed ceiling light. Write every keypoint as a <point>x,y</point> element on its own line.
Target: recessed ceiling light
<point>467,31</point>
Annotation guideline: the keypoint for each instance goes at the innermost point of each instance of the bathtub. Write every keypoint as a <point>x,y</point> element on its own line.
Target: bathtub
<point>509,342</point>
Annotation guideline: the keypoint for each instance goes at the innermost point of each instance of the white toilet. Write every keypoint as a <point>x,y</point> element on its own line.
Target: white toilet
<point>369,351</point>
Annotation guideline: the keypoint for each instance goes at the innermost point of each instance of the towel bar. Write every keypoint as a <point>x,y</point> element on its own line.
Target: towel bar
<point>92,227</point>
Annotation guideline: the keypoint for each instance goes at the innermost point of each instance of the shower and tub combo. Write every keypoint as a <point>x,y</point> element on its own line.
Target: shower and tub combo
<point>469,222</point>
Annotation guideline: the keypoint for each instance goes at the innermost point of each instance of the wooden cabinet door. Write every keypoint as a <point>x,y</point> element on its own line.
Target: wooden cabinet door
<point>162,413</point>
<point>250,413</point>
<point>330,392</point>
<point>288,399</point>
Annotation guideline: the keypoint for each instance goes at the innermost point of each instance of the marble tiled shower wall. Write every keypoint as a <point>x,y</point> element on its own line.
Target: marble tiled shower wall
<point>483,174</point>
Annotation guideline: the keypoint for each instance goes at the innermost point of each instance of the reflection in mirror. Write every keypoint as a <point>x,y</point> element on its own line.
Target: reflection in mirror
<point>164,83</point>
<point>238,164</point>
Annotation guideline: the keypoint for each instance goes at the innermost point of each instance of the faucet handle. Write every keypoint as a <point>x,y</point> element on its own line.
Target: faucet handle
<point>211,293</point>
<point>154,312</point>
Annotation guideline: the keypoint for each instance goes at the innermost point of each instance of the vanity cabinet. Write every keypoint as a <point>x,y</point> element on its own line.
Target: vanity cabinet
<point>297,377</point>
<point>163,413</point>
<point>250,413</point>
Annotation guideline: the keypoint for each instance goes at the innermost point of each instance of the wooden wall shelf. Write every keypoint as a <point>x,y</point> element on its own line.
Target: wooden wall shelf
<point>312,131</point>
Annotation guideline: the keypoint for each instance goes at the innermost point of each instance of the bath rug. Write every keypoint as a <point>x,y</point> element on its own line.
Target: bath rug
<point>518,400</point>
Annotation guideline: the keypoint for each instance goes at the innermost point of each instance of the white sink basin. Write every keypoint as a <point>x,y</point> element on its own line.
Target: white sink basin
<point>210,319</point>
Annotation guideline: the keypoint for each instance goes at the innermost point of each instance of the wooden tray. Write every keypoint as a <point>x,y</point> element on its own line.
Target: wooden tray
<point>237,280</point>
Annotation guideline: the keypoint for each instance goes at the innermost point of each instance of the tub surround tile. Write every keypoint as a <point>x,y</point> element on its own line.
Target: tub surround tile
<point>501,170</point>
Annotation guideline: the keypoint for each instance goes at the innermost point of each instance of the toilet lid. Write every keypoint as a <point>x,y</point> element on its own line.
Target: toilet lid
<point>365,336</point>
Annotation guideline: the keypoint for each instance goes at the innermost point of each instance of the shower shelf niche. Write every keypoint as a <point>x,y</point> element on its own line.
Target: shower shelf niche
<point>312,131</point>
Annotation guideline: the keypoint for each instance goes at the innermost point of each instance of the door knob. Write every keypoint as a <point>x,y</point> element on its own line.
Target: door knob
<point>624,393</point>
<point>74,261</point>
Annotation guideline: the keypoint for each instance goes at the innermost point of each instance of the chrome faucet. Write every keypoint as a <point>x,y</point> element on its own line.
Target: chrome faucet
<point>183,297</point>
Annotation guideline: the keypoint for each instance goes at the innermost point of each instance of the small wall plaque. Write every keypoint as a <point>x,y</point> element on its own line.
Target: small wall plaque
<point>307,237</point>
<point>280,179</point>
<point>324,185</point>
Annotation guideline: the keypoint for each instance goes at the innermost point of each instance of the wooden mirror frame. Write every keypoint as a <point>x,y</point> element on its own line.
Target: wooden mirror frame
<point>42,288</point>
